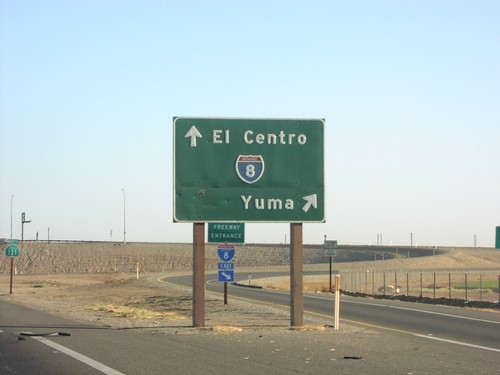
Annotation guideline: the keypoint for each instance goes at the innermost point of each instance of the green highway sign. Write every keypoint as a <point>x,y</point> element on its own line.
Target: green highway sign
<point>248,170</point>
<point>226,232</point>
<point>12,250</point>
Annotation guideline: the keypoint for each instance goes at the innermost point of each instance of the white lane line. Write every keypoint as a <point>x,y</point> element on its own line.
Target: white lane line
<point>391,307</point>
<point>458,343</point>
<point>420,311</point>
<point>79,357</point>
<point>444,314</point>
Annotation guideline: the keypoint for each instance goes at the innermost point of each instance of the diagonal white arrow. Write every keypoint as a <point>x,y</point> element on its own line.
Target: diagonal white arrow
<point>193,133</point>
<point>311,200</point>
<point>227,276</point>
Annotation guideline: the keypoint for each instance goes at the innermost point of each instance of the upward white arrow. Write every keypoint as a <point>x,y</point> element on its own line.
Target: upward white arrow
<point>311,200</point>
<point>193,133</point>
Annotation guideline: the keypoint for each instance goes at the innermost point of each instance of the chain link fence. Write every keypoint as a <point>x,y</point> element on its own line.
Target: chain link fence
<point>466,284</point>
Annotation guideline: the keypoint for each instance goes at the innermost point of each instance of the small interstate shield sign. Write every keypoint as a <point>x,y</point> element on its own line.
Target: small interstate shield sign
<point>250,168</point>
<point>226,252</point>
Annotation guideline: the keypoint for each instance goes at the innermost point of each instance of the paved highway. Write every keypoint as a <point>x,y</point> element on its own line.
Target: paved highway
<point>460,326</point>
<point>97,350</point>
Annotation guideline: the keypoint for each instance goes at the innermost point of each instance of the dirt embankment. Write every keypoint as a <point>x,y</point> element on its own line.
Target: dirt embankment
<point>50,258</point>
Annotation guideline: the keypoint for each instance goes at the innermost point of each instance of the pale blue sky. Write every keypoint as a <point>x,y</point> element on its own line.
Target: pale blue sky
<point>410,92</point>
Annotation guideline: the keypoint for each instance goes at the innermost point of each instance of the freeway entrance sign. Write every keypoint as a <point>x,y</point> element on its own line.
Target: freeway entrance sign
<point>248,170</point>
<point>226,232</point>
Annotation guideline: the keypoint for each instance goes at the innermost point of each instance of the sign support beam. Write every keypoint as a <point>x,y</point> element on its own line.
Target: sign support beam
<point>296,276</point>
<point>198,274</point>
<point>225,293</point>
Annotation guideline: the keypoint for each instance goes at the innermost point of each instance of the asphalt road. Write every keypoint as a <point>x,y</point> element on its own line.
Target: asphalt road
<point>94,350</point>
<point>460,326</point>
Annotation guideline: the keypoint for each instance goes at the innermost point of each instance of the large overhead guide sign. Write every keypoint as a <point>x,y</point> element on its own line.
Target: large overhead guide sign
<point>248,170</point>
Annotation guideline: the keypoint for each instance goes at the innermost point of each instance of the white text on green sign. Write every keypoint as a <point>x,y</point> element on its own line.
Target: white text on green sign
<point>252,170</point>
<point>226,232</point>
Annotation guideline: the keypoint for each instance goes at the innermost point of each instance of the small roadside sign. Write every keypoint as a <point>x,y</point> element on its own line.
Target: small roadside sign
<point>226,232</point>
<point>331,248</point>
<point>226,276</point>
<point>226,252</point>
<point>225,266</point>
<point>12,250</point>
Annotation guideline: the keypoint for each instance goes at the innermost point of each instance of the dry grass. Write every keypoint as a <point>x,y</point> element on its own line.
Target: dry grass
<point>135,313</point>
<point>311,283</point>
<point>226,329</point>
<point>309,328</point>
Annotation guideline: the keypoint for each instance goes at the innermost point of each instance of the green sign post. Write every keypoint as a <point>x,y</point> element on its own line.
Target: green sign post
<point>12,251</point>
<point>248,170</point>
<point>226,232</point>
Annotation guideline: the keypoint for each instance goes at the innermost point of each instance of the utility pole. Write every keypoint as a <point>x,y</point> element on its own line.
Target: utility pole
<point>11,199</point>
<point>124,227</point>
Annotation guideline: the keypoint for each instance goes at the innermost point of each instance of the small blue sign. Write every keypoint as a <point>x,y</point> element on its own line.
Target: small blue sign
<point>226,266</point>
<point>226,276</point>
<point>226,252</point>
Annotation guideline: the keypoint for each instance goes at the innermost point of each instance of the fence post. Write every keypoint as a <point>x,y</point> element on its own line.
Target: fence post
<point>337,301</point>
<point>407,284</point>
<point>481,287</point>
<point>366,282</point>
<point>384,283</point>
<point>434,286</point>
<point>373,282</point>
<point>466,287</point>
<point>421,285</point>
<point>449,285</point>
